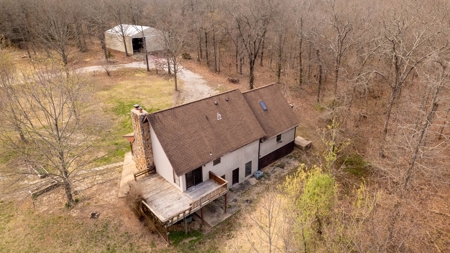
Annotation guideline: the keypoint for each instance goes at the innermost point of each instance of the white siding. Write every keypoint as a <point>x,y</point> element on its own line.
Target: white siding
<point>233,160</point>
<point>162,164</point>
<point>270,145</point>
<point>154,43</point>
<point>115,42</point>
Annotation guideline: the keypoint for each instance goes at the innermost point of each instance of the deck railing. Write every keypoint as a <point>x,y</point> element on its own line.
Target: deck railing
<point>143,172</point>
<point>210,196</point>
<point>217,179</point>
<point>178,216</point>
<point>203,200</point>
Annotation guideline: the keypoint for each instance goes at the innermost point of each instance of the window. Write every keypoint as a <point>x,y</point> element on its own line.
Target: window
<point>279,138</point>
<point>248,169</point>
<point>217,161</point>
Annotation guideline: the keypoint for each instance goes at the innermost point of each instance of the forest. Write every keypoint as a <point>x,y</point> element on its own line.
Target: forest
<point>374,74</point>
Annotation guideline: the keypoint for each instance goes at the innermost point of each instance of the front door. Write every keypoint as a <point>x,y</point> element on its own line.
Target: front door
<point>235,176</point>
<point>194,177</point>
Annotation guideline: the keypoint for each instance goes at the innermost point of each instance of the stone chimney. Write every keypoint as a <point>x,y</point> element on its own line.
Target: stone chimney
<point>142,145</point>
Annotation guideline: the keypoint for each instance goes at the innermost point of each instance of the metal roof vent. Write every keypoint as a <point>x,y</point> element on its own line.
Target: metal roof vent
<point>219,117</point>
<point>264,107</point>
<point>215,102</point>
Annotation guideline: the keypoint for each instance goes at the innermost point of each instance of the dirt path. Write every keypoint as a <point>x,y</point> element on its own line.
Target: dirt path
<point>193,86</point>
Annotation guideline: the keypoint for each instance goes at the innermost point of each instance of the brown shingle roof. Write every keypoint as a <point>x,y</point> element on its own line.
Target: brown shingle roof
<point>188,133</point>
<point>278,117</point>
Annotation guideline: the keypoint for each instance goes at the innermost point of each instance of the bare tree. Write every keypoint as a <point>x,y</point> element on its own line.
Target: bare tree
<point>173,31</point>
<point>408,41</point>
<point>121,17</point>
<point>98,21</point>
<point>252,21</point>
<point>53,27</point>
<point>51,109</point>
<point>17,20</point>
<point>339,45</point>
<point>437,81</point>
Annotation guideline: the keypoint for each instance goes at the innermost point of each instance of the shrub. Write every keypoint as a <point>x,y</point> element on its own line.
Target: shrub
<point>186,56</point>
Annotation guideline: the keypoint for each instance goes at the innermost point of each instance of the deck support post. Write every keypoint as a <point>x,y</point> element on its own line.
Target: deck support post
<point>185,225</point>
<point>201,215</point>
<point>225,205</point>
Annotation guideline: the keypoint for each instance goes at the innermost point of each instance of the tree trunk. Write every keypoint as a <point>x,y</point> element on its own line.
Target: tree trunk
<point>309,60</point>
<point>146,51</point>
<point>262,53</point>
<point>215,50</point>
<point>319,87</point>
<point>80,37</point>
<point>103,44</point>
<point>200,53</point>
<point>271,56</point>
<point>175,72</point>
<point>280,56</point>
<point>443,125</point>
<point>146,61</point>
<point>251,62</point>
<point>218,58</point>
<point>169,70</point>
<point>206,49</point>
<point>64,57</point>
<point>241,61</point>
<point>300,63</point>
<point>67,188</point>
<point>388,118</point>
<point>237,57</point>
<point>424,129</point>
<point>125,45</point>
<point>336,76</point>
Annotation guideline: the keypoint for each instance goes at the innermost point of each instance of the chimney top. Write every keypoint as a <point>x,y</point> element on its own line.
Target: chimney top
<point>136,106</point>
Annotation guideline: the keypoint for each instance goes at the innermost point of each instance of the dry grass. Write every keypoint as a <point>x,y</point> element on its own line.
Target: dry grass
<point>45,225</point>
<point>117,95</point>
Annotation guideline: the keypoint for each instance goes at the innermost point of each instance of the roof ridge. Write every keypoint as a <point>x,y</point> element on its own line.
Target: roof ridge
<point>195,101</point>
<point>265,86</point>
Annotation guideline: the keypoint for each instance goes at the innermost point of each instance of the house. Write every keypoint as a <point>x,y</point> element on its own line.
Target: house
<point>196,151</point>
<point>135,36</point>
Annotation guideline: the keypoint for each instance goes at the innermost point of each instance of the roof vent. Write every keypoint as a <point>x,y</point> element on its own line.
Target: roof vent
<point>226,99</point>
<point>264,107</point>
<point>215,102</point>
<point>219,117</point>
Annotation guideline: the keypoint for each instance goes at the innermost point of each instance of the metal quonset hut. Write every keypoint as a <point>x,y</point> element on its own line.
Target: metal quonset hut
<point>135,37</point>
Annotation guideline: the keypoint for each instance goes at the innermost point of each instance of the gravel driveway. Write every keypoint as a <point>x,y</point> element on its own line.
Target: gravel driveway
<point>194,86</point>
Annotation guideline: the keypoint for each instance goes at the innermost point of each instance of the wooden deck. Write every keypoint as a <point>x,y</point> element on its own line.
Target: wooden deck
<point>170,204</point>
<point>196,192</point>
